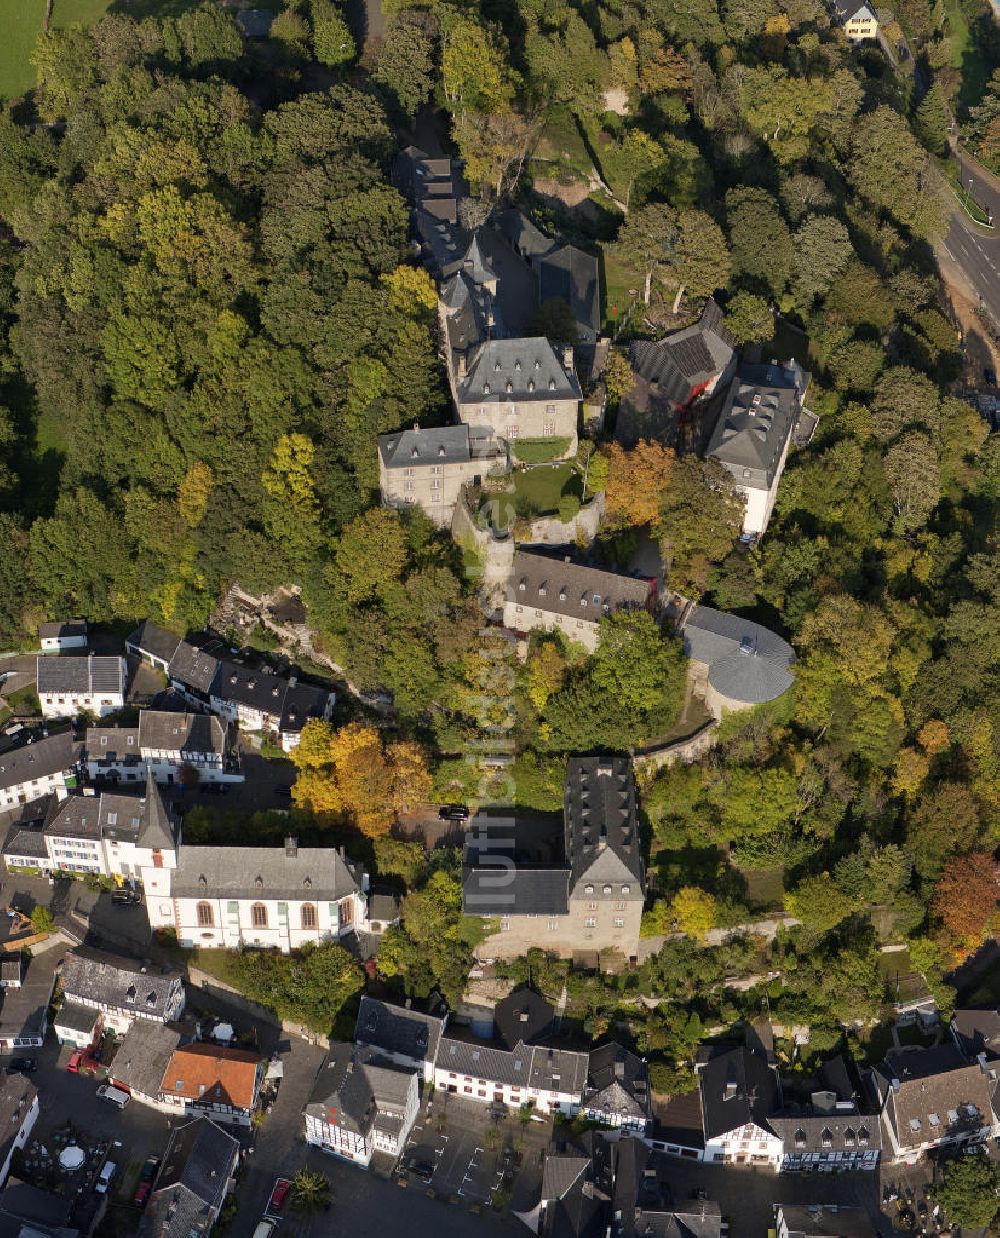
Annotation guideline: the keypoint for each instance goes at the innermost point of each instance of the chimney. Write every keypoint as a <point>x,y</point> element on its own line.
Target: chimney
<point>291,847</point>
<point>895,1085</point>
<point>731,1089</point>
<point>619,1069</point>
<point>568,356</point>
<point>462,367</point>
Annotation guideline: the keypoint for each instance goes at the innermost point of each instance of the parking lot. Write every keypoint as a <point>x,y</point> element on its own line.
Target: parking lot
<point>470,1153</point>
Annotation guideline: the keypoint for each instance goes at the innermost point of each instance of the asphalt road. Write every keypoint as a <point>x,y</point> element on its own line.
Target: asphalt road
<point>974,249</point>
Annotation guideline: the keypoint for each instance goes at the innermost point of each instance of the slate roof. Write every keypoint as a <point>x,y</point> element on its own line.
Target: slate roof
<point>676,366</point>
<point>77,816</point>
<point>679,1121</point>
<point>64,630</point>
<point>359,1092</point>
<point>443,240</point>
<point>523,892</point>
<point>827,1132</point>
<point>441,445</point>
<point>315,873</point>
<point>166,731</point>
<point>142,1057</point>
<point>525,238</point>
<point>191,667</point>
<point>747,662</point>
<point>24,1011</point>
<point>54,754</point>
<point>212,1074</point>
<point>112,743</point>
<point>150,638</point>
<point>762,406</point>
<point>198,1163</point>
<point>618,1082</point>
<point>254,688</point>
<point>602,834</point>
<point>521,369</point>
<point>560,1172</point>
<point>116,983</point>
<point>826,1221</point>
<point>737,1088</point>
<point>394,1029</point>
<point>574,276</point>
<point>939,1094</point>
<point>302,702</point>
<point>537,1066</point>
<point>80,676</point>
<point>549,583</point>
<point>522,1017</point>
<point>77,1018</point>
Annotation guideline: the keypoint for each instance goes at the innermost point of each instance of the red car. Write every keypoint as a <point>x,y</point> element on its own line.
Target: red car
<point>73,1065</point>
<point>142,1193</point>
<point>279,1195</point>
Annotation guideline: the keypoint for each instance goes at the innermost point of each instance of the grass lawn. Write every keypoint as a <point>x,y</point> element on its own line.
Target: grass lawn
<point>537,491</point>
<point>22,20</point>
<point>618,280</point>
<point>562,144</point>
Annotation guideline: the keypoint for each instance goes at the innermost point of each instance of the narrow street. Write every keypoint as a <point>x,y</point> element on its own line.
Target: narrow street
<point>280,1149</point>
<point>973,249</point>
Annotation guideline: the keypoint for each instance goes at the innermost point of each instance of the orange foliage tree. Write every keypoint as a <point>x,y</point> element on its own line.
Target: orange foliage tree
<point>637,480</point>
<point>966,895</point>
<point>350,773</point>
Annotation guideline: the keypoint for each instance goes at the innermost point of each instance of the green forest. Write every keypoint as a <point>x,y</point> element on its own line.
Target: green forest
<point>209,310</point>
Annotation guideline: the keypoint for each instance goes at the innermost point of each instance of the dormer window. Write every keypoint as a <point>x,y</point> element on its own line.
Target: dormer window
<point>562,595</point>
<point>517,365</point>
<point>531,384</point>
<point>510,386</point>
<point>522,584</point>
<point>626,890</point>
<point>552,384</point>
<point>496,368</point>
<point>538,364</point>
<point>203,881</point>
<point>827,1137</point>
<point>486,389</point>
<point>849,1138</point>
<point>800,1138</point>
<point>863,1136</point>
<point>588,889</point>
<point>583,601</point>
<point>258,882</point>
<point>607,889</point>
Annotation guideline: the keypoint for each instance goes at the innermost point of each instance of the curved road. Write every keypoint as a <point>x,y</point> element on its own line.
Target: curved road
<point>974,249</point>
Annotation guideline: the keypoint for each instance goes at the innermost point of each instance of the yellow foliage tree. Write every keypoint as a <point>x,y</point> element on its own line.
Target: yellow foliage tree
<point>693,911</point>
<point>912,768</point>
<point>546,672</point>
<point>193,492</point>
<point>411,290</point>
<point>637,481</point>
<point>351,774</point>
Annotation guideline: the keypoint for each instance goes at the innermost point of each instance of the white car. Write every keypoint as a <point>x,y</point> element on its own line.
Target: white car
<point>104,1177</point>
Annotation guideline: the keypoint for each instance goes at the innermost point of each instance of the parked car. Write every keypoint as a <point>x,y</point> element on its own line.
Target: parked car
<point>278,1195</point>
<point>149,1168</point>
<point>265,1228</point>
<point>991,376</point>
<point>108,1170</point>
<point>453,812</point>
<point>22,1065</point>
<point>125,897</point>
<point>142,1193</point>
<point>73,1065</point>
<point>117,1096</point>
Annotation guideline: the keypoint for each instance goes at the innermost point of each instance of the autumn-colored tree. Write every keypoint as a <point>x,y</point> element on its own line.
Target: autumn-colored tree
<point>693,911</point>
<point>966,895</point>
<point>193,493</point>
<point>349,773</point>
<point>546,671</point>
<point>617,376</point>
<point>912,768</point>
<point>934,737</point>
<point>637,480</point>
<point>411,289</point>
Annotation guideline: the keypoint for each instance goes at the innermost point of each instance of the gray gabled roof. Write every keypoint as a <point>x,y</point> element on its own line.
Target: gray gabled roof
<point>574,276</point>
<point>488,890</point>
<point>302,702</point>
<point>151,639</point>
<point>191,667</point>
<point>359,1091</point>
<point>848,9</point>
<point>737,1088</point>
<point>394,1029</point>
<point>527,239</point>
<point>143,1056</point>
<point>747,662</point>
<point>522,369</point>
<point>476,262</point>
<point>602,832</point>
<point>313,873</point>
<point>618,1082</point>
<point>64,630</point>
<point>679,364</point>
<point>836,1131</point>
<point>116,983</point>
<point>157,830</point>
<point>550,583</point>
<point>761,408</point>
<point>536,1066</point>
<point>80,676</point>
<point>439,445</point>
<point>200,1157</point>
<point>17,1095</point>
<point>166,731</point>
<point>939,1093</point>
<point>523,1016</point>
<point>826,1221</point>
<point>54,754</point>
<point>560,1173</point>
<point>77,1018</point>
